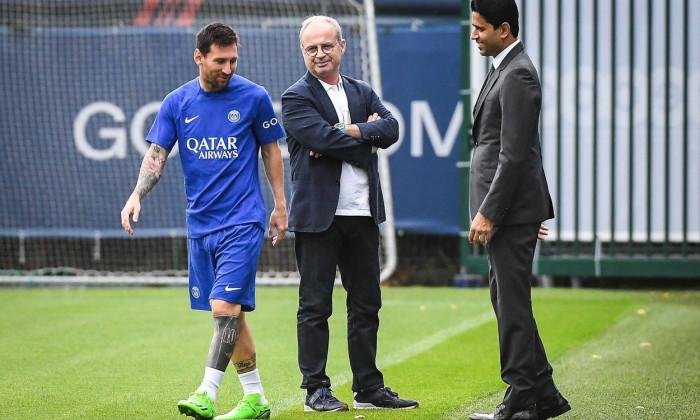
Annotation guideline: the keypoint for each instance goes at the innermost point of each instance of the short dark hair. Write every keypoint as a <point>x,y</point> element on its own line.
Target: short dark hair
<point>215,33</point>
<point>497,12</point>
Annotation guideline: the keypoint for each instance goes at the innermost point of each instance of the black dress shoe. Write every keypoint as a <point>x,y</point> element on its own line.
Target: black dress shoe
<point>382,398</point>
<point>552,407</point>
<point>529,413</point>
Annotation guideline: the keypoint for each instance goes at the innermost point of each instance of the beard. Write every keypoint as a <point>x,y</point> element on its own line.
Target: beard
<point>217,81</point>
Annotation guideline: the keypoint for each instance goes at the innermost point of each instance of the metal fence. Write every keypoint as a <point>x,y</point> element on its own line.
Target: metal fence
<point>620,132</point>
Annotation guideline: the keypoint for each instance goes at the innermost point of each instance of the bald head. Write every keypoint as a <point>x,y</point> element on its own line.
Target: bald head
<point>321,19</point>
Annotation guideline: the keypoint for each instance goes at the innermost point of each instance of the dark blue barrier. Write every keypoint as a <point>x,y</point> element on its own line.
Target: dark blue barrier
<point>420,77</point>
<point>78,102</point>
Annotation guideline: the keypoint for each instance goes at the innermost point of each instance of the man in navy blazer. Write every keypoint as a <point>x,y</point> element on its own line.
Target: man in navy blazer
<point>334,126</point>
<point>508,200</point>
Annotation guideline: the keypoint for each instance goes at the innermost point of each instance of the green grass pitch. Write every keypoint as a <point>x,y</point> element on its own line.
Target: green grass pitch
<point>129,353</point>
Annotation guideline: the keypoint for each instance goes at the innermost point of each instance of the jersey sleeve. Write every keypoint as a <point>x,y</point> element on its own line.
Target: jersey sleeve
<point>163,131</point>
<point>267,127</point>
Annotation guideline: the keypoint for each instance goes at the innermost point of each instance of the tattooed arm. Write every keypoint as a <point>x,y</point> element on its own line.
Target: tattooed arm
<point>151,170</point>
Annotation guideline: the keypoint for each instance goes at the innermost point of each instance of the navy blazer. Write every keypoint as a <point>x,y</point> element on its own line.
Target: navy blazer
<point>308,118</point>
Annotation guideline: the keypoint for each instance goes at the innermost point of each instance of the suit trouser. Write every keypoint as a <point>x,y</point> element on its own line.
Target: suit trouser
<point>352,244</point>
<point>524,365</point>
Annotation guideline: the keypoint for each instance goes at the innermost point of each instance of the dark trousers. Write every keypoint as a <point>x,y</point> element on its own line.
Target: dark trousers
<point>352,244</point>
<point>524,365</point>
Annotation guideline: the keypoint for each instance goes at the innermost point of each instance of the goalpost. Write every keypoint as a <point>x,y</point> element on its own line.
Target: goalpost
<point>82,89</point>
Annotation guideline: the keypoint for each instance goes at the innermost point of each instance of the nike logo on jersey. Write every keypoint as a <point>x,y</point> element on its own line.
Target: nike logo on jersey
<point>231,289</point>
<point>189,120</point>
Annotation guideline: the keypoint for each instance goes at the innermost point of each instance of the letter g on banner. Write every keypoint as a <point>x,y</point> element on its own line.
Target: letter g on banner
<point>116,134</point>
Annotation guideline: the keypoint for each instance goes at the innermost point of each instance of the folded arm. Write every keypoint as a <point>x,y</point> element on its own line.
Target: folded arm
<point>305,123</point>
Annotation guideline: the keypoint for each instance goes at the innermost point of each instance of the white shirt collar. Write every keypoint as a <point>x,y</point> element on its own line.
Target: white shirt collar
<point>327,87</point>
<point>497,60</point>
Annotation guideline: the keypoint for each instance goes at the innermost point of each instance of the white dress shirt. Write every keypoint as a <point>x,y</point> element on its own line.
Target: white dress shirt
<point>354,184</point>
<point>497,60</point>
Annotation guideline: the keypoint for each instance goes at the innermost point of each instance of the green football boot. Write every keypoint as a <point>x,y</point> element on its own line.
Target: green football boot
<point>198,405</point>
<point>248,408</point>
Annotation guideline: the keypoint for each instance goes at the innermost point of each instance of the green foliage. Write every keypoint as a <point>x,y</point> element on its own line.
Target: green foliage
<point>130,353</point>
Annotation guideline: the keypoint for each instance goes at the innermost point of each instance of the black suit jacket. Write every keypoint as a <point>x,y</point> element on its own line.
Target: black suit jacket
<point>308,118</point>
<point>507,183</point>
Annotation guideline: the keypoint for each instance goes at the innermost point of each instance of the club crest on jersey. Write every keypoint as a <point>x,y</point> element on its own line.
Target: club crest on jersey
<point>195,292</point>
<point>234,116</point>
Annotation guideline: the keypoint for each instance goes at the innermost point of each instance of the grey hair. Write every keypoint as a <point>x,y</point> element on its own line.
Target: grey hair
<point>316,18</point>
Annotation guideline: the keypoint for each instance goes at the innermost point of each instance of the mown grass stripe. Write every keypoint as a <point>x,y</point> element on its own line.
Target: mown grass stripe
<point>133,353</point>
<point>644,367</point>
<point>289,402</point>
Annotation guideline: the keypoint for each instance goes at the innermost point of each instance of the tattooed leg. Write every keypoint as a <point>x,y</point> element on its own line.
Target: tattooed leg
<point>220,351</point>
<point>244,366</point>
<point>223,342</point>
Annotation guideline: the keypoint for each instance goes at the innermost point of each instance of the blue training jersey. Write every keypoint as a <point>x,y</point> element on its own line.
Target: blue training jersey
<point>219,135</point>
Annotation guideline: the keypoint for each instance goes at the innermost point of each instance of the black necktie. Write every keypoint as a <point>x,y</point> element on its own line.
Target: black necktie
<point>488,76</point>
<point>491,70</point>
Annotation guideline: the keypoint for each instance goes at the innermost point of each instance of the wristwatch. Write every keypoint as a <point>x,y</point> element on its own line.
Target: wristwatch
<point>340,126</point>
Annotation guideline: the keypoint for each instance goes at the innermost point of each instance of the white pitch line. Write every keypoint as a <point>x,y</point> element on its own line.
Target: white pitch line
<point>440,336</point>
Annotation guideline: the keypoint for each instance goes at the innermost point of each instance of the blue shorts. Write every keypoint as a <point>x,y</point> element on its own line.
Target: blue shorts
<point>222,265</point>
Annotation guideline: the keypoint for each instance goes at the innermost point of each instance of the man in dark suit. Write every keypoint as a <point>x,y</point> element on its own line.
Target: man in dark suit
<point>334,126</point>
<point>508,200</point>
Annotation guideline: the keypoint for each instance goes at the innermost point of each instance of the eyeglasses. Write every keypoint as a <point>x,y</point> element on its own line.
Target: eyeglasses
<point>312,51</point>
